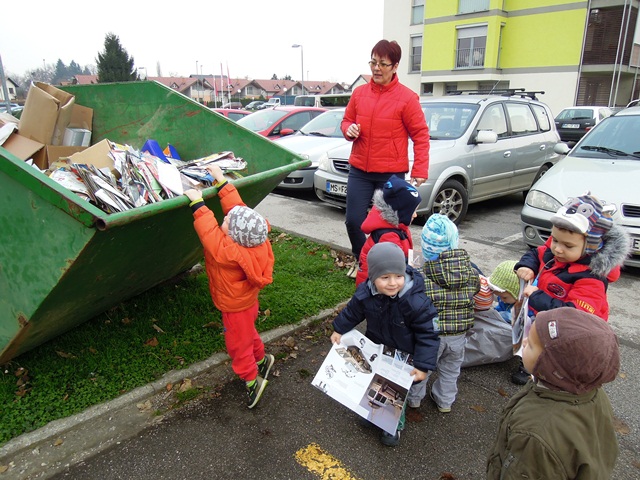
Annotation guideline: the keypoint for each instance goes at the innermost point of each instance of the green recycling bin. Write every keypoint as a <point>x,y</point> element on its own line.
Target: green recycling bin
<point>63,260</point>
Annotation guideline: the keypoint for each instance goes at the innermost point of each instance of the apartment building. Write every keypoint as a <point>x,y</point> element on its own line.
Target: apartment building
<point>577,52</point>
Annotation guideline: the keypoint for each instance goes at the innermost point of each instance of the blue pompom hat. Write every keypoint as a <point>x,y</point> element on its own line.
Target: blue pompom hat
<point>402,197</point>
<point>439,234</point>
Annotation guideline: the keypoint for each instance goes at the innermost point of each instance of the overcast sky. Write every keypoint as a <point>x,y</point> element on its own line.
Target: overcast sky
<point>252,37</point>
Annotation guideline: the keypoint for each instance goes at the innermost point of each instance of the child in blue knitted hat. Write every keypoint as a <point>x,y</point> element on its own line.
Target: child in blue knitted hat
<point>451,281</point>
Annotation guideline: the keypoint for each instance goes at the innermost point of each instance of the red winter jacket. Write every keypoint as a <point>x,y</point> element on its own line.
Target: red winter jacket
<point>388,115</point>
<point>374,221</point>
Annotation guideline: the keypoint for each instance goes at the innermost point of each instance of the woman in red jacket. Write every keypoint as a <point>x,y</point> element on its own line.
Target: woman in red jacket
<point>380,118</point>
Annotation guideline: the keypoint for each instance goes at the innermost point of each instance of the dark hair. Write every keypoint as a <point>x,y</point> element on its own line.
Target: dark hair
<point>389,49</point>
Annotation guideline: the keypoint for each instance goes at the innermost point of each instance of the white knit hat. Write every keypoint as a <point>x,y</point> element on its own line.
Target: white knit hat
<point>247,227</point>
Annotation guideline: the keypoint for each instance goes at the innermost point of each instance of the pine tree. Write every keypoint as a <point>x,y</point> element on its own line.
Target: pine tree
<point>114,64</point>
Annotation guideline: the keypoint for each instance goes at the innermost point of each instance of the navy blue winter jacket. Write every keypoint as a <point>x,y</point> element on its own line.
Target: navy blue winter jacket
<point>403,322</point>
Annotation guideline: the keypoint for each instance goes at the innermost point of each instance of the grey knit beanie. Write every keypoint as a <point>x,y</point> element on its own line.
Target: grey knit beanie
<point>247,227</point>
<point>385,257</point>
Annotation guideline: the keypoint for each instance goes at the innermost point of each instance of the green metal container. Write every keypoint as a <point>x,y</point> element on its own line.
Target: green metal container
<point>63,260</point>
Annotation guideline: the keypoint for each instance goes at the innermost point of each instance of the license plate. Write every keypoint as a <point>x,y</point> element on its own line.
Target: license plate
<point>636,245</point>
<point>571,125</point>
<point>337,188</point>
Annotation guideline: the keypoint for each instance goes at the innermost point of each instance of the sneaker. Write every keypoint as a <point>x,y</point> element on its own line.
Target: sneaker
<point>520,376</point>
<point>265,367</point>
<point>414,404</point>
<point>389,440</point>
<point>353,270</point>
<point>440,409</point>
<point>255,391</point>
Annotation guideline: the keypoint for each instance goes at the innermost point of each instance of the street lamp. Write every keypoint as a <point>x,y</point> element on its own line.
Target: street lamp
<point>239,98</point>
<point>285,95</point>
<point>295,45</point>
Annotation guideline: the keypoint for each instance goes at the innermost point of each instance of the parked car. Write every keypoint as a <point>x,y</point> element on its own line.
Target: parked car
<point>231,113</point>
<point>572,123</point>
<point>236,105</point>
<point>482,147</point>
<point>633,103</point>
<point>605,162</point>
<point>279,121</point>
<point>313,142</point>
<point>272,102</point>
<point>255,105</point>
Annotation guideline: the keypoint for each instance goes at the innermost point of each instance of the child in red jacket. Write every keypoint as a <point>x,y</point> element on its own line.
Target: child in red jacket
<point>239,263</point>
<point>394,207</point>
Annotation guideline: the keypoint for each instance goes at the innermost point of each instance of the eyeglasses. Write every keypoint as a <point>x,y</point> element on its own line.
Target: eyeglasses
<point>373,64</point>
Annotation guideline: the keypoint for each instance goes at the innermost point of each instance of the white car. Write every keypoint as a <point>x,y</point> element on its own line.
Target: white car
<point>482,147</point>
<point>313,142</point>
<point>606,163</point>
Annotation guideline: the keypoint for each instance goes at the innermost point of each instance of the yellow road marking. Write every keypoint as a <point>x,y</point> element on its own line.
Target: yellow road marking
<point>323,464</point>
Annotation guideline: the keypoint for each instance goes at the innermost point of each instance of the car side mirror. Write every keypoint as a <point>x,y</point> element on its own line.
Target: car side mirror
<point>486,136</point>
<point>286,131</point>
<point>561,148</point>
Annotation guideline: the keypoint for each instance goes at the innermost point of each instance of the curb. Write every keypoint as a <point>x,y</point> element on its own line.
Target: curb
<point>56,428</point>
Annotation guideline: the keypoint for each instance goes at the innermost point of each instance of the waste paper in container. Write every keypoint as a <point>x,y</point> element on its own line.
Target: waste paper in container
<point>144,178</point>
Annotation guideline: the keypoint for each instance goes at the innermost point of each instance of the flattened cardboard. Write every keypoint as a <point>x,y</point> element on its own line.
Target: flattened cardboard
<point>46,114</point>
<point>97,155</point>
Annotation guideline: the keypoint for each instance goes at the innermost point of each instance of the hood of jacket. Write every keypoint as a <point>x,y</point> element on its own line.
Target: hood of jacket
<point>615,250</point>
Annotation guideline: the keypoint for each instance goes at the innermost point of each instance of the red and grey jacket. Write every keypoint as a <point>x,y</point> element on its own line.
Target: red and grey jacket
<point>388,115</point>
<point>582,284</point>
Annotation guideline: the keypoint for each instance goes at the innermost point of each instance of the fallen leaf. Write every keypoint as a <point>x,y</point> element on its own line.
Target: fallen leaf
<point>152,342</point>
<point>478,408</point>
<point>144,406</point>
<point>503,393</point>
<point>169,387</point>
<point>58,442</point>
<point>276,373</point>
<point>93,350</point>
<point>4,468</point>
<point>447,476</point>
<point>185,385</point>
<point>293,355</point>
<point>126,321</point>
<point>20,371</point>
<point>621,427</point>
<point>622,375</point>
<point>290,342</point>
<point>157,328</point>
<point>210,325</point>
<point>65,354</point>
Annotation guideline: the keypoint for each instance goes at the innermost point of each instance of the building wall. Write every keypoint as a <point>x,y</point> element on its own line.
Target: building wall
<point>397,26</point>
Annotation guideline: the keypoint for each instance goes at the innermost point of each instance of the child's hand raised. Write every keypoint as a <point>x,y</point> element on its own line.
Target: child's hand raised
<point>216,172</point>
<point>193,194</point>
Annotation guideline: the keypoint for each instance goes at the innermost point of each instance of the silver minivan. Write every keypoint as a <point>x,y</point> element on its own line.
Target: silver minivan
<point>482,147</point>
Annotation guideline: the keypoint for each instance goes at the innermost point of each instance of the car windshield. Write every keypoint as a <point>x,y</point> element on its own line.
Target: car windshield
<point>261,120</point>
<point>325,125</point>
<point>448,120</point>
<point>615,136</point>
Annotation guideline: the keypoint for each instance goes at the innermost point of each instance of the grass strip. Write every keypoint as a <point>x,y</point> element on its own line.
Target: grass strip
<point>168,327</point>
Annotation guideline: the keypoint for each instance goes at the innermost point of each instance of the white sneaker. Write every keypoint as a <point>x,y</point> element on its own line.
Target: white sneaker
<point>353,270</point>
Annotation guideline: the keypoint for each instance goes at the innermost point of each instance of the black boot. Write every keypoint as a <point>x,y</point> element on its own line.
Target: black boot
<point>520,376</point>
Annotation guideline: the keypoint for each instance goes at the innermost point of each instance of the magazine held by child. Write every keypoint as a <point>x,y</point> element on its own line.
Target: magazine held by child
<point>372,380</point>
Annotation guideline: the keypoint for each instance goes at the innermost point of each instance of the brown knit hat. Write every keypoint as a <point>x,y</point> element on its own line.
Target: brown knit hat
<point>580,351</point>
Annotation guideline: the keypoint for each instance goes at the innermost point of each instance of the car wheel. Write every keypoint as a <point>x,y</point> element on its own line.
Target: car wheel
<point>543,169</point>
<point>452,200</point>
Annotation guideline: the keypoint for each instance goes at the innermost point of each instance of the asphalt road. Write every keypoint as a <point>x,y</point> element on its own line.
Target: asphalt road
<point>296,432</point>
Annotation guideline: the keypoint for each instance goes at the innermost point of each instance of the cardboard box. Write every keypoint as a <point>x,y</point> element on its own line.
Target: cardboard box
<point>81,117</point>
<point>46,114</point>
<point>24,148</point>
<point>79,137</point>
<point>56,152</point>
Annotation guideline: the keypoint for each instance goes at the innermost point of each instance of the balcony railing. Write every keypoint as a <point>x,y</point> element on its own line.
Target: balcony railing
<point>471,6</point>
<point>470,58</point>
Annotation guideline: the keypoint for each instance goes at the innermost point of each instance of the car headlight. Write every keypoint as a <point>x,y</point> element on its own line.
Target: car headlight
<point>538,199</point>
<point>321,159</point>
<point>324,163</point>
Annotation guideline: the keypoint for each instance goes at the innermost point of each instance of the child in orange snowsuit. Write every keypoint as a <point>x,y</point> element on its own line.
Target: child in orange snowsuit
<point>239,263</point>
